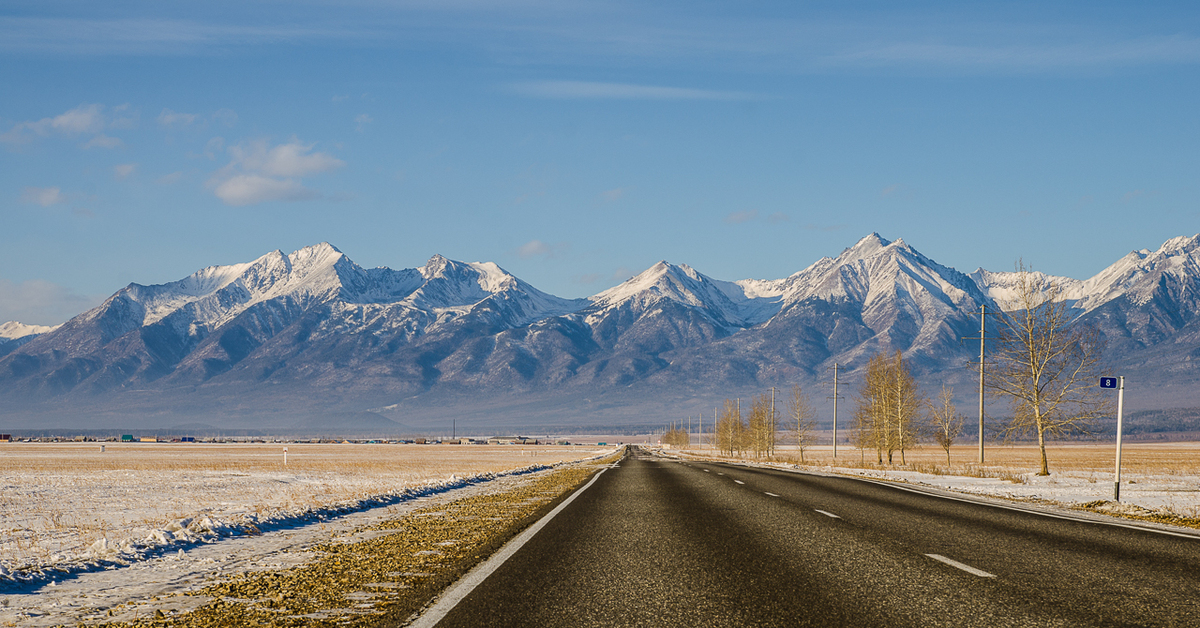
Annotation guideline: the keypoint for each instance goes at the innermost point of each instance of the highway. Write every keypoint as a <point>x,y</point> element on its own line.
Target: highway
<point>654,541</point>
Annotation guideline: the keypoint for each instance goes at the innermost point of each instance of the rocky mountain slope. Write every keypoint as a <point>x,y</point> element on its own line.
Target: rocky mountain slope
<point>291,340</point>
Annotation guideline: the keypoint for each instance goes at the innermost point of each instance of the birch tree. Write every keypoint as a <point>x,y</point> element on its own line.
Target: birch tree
<point>1046,366</point>
<point>946,421</point>
<point>888,407</point>
<point>801,415</point>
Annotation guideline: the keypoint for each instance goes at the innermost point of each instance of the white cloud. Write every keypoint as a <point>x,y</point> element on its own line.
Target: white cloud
<point>170,179</point>
<point>38,302</point>
<point>172,118</point>
<point>623,91</point>
<point>251,189</point>
<point>122,171</point>
<point>533,248</point>
<point>259,172</point>
<point>103,141</point>
<point>82,119</point>
<point>361,121</point>
<point>42,196</point>
<point>285,160</point>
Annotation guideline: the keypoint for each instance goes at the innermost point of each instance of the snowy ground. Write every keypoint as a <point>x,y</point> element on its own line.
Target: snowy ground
<point>73,507</point>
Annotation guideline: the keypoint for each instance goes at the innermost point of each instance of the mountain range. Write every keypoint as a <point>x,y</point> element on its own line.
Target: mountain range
<point>310,341</point>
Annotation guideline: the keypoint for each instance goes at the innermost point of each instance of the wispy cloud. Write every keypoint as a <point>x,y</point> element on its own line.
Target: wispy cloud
<point>361,121</point>
<point>170,179</point>
<point>103,141</point>
<point>170,118</point>
<point>251,189</point>
<point>42,196</point>
<point>123,171</point>
<point>1025,57</point>
<point>82,119</point>
<point>259,172</point>
<point>581,90</point>
<point>537,248</point>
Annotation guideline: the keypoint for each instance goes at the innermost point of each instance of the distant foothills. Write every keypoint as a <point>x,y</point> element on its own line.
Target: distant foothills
<point>311,342</point>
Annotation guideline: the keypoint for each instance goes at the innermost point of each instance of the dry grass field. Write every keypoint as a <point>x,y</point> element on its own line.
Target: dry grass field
<point>57,500</point>
<point>1136,458</point>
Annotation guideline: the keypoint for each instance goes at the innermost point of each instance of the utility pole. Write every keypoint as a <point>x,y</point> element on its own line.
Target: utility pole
<point>836,366</point>
<point>982,339</point>
<point>771,440</point>
<point>982,336</point>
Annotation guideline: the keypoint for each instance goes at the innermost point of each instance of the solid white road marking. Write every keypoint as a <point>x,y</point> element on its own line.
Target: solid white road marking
<point>1041,513</point>
<point>967,568</point>
<point>463,587</point>
<point>771,494</point>
<point>739,481</point>
<point>828,514</point>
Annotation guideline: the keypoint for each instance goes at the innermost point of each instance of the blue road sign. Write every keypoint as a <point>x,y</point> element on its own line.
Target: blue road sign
<point>1108,382</point>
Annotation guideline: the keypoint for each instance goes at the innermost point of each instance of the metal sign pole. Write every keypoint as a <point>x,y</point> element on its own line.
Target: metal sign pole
<point>1120,413</point>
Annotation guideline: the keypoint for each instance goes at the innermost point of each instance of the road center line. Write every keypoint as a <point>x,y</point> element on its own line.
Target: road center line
<point>739,481</point>
<point>771,494</point>
<point>706,470</point>
<point>476,576</point>
<point>967,568</point>
<point>828,514</point>
<point>719,473</point>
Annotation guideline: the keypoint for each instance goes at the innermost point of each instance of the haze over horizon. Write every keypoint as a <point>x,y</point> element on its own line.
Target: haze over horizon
<point>576,144</point>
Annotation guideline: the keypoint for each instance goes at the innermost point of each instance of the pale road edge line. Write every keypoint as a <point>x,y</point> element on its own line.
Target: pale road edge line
<point>828,514</point>
<point>476,576</point>
<point>1014,508</point>
<point>978,500</point>
<point>967,568</point>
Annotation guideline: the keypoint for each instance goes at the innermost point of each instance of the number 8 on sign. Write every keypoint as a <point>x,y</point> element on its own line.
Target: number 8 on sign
<point>1108,382</point>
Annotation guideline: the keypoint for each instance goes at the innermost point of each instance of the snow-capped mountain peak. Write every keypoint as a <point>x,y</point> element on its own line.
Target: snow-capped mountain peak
<point>13,330</point>
<point>1137,276</point>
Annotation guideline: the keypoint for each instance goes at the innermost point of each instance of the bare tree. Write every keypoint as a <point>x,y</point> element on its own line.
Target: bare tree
<point>731,430</point>
<point>946,421</point>
<point>888,407</point>
<point>1048,367</point>
<point>801,415</point>
<point>676,437</point>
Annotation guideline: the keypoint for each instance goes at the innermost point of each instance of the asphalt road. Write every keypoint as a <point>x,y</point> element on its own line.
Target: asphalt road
<point>657,542</point>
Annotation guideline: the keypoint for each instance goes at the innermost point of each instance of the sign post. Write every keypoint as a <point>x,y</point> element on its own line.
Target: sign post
<point>1119,384</point>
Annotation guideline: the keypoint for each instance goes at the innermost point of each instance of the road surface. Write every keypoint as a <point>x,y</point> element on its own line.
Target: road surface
<point>659,542</point>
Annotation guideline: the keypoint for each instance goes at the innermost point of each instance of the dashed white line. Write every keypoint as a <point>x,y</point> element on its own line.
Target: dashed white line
<point>739,481</point>
<point>706,470</point>
<point>771,494</point>
<point>828,514</point>
<point>719,473</point>
<point>967,568</point>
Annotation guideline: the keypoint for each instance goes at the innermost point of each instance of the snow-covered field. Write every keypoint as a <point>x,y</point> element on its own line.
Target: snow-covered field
<point>73,506</point>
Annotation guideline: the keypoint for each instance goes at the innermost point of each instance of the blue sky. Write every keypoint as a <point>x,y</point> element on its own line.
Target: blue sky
<point>576,144</point>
